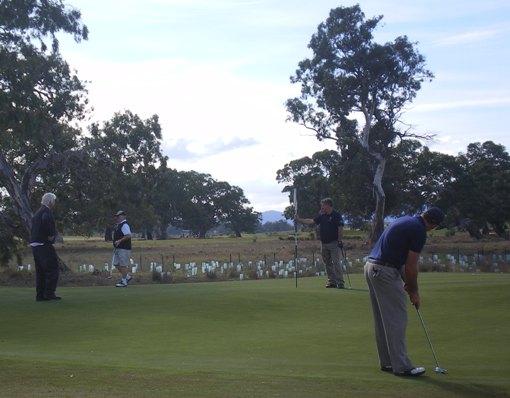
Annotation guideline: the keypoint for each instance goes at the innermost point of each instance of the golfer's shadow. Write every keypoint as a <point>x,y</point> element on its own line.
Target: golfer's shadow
<point>469,390</point>
<point>356,289</point>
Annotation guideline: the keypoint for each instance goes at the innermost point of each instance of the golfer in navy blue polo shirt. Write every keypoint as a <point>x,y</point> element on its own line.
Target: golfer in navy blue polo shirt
<point>391,271</point>
<point>330,224</point>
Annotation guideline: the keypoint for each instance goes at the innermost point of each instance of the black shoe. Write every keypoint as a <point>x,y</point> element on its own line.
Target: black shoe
<point>340,286</point>
<point>414,372</point>
<point>53,298</point>
<point>387,369</point>
<point>331,286</point>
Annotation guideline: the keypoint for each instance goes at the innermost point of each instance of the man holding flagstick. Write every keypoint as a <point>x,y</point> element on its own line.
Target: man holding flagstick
<point>330,224</point>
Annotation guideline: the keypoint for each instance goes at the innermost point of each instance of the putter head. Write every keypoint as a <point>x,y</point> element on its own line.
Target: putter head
<point>443,371</point>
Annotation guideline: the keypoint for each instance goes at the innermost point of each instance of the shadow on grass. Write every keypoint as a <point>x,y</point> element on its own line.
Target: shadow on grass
<point>468,390</point>
<point>356,289</point>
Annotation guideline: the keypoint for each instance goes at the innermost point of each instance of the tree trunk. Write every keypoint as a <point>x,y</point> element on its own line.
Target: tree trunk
<point>238,234</point>
<point>108,234</point>
<point>20,196</point>
<point>20,199</point>
<point>162,235</point>
<point>364,140</point>
<point>378,222</point>
<point>201,234</point>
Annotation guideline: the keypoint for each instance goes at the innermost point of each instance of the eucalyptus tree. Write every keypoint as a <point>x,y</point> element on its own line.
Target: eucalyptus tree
<point>40,99</point>
<point>350,78</point>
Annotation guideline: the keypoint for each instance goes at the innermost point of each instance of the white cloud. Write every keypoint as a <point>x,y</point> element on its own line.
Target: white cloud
<point>460,104</point>
<point>207,108</point>
<point>474,36</point>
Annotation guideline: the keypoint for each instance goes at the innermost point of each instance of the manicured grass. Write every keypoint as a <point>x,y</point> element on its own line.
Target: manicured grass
<point>249,339</point>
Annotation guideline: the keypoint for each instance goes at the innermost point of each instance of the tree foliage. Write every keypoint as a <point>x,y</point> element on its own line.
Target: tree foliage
<point>118,164</point>
<point>40,97</point>
<point>205,203</point>
<point>349,73</point>
<point>472,187</point>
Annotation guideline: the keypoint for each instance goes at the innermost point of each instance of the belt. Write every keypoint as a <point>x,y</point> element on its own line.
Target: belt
<point>383,263</point>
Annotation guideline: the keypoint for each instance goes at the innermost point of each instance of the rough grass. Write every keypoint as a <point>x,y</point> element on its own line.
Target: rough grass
<point>249,339</point>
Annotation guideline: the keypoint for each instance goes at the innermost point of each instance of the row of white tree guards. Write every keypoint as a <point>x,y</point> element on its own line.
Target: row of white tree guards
<point>494,262</point>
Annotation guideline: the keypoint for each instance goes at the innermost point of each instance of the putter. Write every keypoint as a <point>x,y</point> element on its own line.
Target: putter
<point>344,255</point>
<point>437,369</point>
<point>111,265</point>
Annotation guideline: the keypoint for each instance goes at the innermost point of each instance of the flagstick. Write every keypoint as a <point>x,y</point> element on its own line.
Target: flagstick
<point>295,234</point>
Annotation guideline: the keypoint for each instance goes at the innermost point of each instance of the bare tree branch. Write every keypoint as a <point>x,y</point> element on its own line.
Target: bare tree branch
<point>28,180</point>
<point>21,202</point>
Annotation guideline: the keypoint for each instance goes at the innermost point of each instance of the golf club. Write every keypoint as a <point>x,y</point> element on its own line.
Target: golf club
<point>295,234</point>
<point>346,264</point>
<point>437,369</point>
<point>111,265</point>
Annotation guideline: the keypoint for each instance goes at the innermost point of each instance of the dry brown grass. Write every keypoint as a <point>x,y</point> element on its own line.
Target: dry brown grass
<point>78,250</point>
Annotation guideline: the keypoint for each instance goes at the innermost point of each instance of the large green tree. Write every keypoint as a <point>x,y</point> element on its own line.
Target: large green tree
<point>348,74</point>
<point>480,191</point>
<point>238,215</point>
<point>311,176</point>
<point>40,98</point>
<point>166,199</point>
<point>206,203</point>
<point>124,158</point>
<point>346,177</point>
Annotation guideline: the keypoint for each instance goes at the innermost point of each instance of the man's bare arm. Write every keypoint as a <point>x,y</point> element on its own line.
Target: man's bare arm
<point>307,221</point>
<point>411,277</point>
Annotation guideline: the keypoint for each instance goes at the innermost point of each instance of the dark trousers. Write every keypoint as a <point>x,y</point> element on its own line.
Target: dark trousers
<point>46,270</point>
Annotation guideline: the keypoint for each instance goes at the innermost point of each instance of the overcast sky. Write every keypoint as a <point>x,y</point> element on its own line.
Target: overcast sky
<point>217,74</point>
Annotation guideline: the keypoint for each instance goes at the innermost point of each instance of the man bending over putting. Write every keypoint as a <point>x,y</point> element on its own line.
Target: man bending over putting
<point>330,224</point>
<point>391,271</point>
<point>122,248</point>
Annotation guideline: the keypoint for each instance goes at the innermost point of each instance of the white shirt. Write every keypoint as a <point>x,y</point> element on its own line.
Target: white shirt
<point>125,229</point>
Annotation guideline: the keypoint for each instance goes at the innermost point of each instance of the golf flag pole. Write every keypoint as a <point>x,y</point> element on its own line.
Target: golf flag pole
<point>295,234</point>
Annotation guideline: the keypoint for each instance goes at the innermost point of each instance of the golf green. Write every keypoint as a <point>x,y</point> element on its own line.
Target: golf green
<point>250,339</point>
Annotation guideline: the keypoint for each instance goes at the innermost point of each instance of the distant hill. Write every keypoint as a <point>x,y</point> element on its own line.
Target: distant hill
<point>272,216</point>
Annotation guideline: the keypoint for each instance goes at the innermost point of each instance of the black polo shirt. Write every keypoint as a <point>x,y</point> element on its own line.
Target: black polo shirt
<point>328,226</point>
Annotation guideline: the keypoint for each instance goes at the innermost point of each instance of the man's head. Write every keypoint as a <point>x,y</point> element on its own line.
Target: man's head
<point>433,217</point>
<point>120,216</point>
<point>48,200</point>
<point>326,205</point>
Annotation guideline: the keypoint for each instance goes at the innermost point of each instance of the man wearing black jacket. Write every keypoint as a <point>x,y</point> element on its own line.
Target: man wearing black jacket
<point>42,237</point>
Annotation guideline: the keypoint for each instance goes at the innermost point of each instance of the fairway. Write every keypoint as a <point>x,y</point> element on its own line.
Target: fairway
<point>250,339</point>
